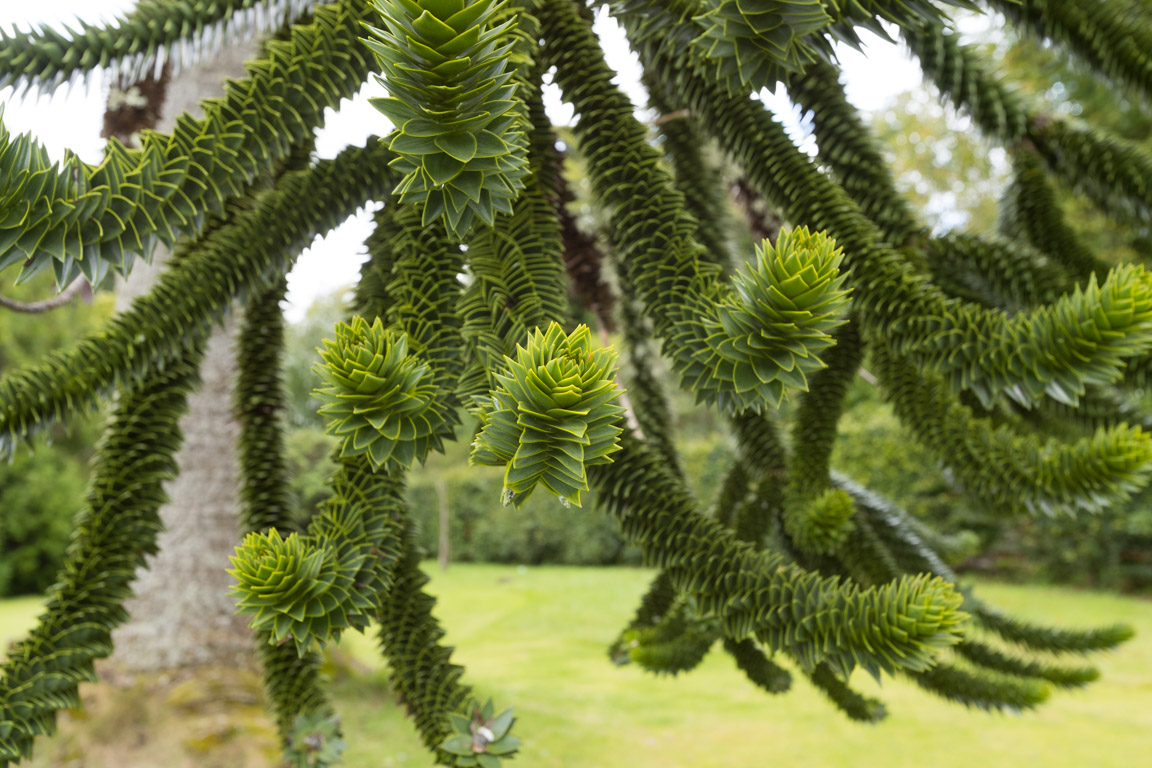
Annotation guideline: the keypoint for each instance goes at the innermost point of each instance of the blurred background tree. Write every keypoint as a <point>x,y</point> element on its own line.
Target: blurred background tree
<point>40,492</point>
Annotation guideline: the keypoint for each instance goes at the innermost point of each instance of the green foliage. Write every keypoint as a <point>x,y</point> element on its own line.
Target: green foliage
<point>788,302</point>
<point>95,220</point>
<point>233,259</point>
<point>116,529</point>
<point>39,495</point>
<point>794,561</point>
<point>688,545</point>
<point>991,658</point>
<point>482,738</point>
<point>823,524</point>
<point>983,690</point>
<point>379,397</point>
<point>554,414</point>
<point>758,668</point>
<point>990,271</point>
<point>293,593</point>
<point>153,30</point>
<point>315,741</point>
<point>873,445</point>
<point>1016,472</point>
<point>1029,211</point>
<point>756,43</point>
<point>517,280</point>
<point>310,588</point>
<point>41,492</point>
<point>746,45</point>
<point>859,708</point>
<point>1081,339</point>
<point>300,354</point>
<point>676,642</point>
<point>459,140</point>
<point>292,682</point>
<point>1039,638</point>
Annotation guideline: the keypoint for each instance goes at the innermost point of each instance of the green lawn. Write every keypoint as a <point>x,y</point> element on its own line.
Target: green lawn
<point>535,638</point>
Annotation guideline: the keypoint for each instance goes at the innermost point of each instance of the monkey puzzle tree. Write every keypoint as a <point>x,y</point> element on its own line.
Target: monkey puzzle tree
<point>1012,360</point>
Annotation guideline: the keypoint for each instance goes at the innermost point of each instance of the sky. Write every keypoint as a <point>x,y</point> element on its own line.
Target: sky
<point>71,118</point>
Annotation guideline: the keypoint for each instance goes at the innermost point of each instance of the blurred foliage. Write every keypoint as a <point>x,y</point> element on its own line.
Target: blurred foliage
<point>308,451</point>
<point>1111,549</point>
<point>541,530</point>
<point>872,449</point>
<point>41,491</point>
<point>953,175</point>
<point>300,352</point>
<point>949,171</point>
<point>1069,88</point>
<point>956,178</point>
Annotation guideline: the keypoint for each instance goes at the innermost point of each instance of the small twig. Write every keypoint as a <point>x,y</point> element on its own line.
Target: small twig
<point>79,287</point>
<point>764,222</point>
<point>868,377</point>
<point>670,116</point>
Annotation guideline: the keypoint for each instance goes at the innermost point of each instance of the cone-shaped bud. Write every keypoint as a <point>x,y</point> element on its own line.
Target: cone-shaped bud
<point>821,525</point>
<point>292,590</point>
<point>380,398</point>
<point>553,414</point>
<point>459,135</point>
<point>786,305</point>
<point>754,43</point>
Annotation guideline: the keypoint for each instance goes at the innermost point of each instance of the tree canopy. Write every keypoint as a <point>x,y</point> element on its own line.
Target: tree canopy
<point>1014,360</point>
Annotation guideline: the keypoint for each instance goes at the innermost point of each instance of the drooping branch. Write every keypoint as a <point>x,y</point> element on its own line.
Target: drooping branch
<point>153,34</point>
<point>975,348</point>
<point>995,272</point>
<point>695,176</point>
<point>517,271</point>
<point>1011,472</point>
<point>817,517</point>
<point>1029,212</point>
<point>231,262</point>
<point>752,592</point>
<point>117,527</point>
<point>95,220</point>
<point>729,344</point>
<point>1113,38</point>
<point>292,683</point>
<point>848,145</point>
<point>1112,172</point>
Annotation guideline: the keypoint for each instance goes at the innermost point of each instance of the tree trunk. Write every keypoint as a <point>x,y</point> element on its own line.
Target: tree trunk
<point>182,615</point>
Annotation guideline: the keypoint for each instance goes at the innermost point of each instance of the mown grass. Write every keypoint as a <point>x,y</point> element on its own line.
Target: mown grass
<point>534,638</point>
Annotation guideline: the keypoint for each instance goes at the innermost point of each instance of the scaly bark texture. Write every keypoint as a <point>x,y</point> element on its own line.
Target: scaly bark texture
<point>182,615</point>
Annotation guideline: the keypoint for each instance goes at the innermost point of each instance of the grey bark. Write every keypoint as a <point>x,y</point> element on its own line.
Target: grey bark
<point>182,615</point>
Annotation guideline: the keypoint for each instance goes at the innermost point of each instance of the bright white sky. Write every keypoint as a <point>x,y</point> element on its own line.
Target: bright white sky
<point>71,118</point>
